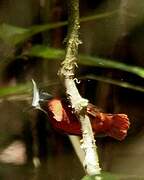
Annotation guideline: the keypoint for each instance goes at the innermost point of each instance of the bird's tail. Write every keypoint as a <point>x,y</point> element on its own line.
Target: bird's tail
<point>119,124</point>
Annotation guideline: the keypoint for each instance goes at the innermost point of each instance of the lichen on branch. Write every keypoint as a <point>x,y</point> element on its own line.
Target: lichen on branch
<point>79,104</point>
<point>69,63</point>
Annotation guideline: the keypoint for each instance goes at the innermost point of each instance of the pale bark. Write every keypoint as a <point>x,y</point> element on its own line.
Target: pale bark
<point>79,104</point>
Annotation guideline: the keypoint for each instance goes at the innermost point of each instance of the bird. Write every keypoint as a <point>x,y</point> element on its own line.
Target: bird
<point>63,119</point>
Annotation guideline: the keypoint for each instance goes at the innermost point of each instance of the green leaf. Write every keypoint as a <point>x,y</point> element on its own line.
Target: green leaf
<point>102,176</point>
<point>58,54</point>
<point>114,82</point>
<point>110,176</point>
<point>107,63</point>
<point>23,89</point>
<point>15,90</point>
<point>46,52</point>
<point>14,35</point>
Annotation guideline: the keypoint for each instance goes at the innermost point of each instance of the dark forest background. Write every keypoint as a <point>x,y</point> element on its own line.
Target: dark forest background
<point>115,33</point>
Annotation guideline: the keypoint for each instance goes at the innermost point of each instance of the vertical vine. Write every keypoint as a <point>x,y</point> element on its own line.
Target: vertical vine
<point>79,104</point>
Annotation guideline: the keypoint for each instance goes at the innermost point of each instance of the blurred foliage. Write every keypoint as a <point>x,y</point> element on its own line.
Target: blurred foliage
<point>114,82</point>
<point>27,88</point>
<point>58,54</point>
<point>15,90</point>
<point>15,35</point>
<point>103,176</point>
<point>23,88</point>
<point>110,176</point>
<point>12,34</point>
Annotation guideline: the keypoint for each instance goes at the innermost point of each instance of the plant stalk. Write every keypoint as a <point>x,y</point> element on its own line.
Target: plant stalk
<point>79,104</point>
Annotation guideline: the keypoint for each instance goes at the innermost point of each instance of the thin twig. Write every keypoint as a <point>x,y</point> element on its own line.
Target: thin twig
<point>78,103</point>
